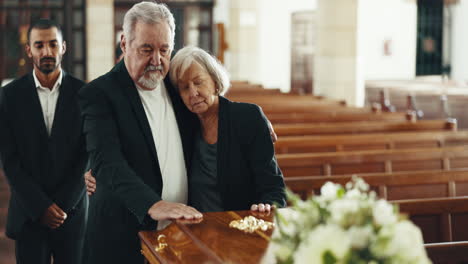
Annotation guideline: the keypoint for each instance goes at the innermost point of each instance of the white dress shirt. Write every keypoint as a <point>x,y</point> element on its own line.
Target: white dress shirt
<point>48,99</point>
<point>166,136</point>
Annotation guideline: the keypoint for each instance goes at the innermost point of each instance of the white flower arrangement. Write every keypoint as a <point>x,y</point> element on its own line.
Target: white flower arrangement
<point>347,226</point>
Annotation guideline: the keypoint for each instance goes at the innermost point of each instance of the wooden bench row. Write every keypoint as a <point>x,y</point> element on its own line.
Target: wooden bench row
<point>394,186</point>
<point>373,141</point>
<point>362,127</point>
<point>440,219</point>
<point>372,161</point>
<point>448,252</point>
<point>288,118</point>
<point>283,99</point>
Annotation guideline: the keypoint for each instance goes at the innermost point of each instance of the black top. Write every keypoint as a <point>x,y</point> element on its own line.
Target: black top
<point>41,169</point>
<point>247,171</point>
<point>204,192</point>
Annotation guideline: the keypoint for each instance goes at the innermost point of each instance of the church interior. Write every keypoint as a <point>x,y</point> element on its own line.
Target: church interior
<point>373,88</point>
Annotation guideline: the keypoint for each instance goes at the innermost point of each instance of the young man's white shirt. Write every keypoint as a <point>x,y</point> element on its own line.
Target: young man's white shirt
<point>48,99</point>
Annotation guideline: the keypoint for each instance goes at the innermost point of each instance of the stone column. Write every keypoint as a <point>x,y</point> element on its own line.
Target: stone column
<point>100,41</point>
<point>337,71</point>
<point>242,36</point>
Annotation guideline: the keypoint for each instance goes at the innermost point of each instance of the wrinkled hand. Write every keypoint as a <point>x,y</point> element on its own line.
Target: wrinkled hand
<point>163,210</point>
<point>273,135</point>
<point>53,216</point>
<point>90,183</point>
<point>262,208</point>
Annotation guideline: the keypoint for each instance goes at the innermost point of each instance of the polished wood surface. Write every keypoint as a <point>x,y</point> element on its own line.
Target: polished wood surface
<point>289,118</point>
<point>373,161</point>
<point>210,241</point>
<point>440,219</point>
<point>373,141</point>
<point>362,127</point>
<point>448,252</point>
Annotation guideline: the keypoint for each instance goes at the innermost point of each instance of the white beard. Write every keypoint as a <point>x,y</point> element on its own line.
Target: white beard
<point>153,82</point>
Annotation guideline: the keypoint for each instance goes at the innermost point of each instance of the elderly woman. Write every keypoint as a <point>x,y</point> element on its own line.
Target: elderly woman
<point>233,165</point>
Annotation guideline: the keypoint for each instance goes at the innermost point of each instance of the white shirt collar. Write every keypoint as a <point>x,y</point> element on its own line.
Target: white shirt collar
<point>56,85</point>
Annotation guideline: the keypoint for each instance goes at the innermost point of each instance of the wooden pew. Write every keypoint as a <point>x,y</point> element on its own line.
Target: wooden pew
<point>442,222</point>
<point>245,88</point>
<point>448,252</point>
<point>288,118</point>
<point>317,108</point>
<point>372,161</point>
<point>397,140</point>
<point>362,127</point>
<point>440,219</point>
<point>394,186</point>
<point>281,98</point>
<point>287,101</point>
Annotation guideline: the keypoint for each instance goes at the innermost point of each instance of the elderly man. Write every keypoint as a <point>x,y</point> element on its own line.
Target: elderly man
<point>44,154</point>
<point>138,135</point>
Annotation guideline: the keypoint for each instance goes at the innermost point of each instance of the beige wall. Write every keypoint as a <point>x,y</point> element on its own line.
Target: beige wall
<point>99,37</point>
<point>242,37</point>
<point>337,68</point>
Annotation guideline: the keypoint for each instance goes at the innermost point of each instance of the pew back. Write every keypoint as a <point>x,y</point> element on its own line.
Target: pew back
<point>372,161</point>
<point>372,141</point>
<point>394,186</point>
<point>440,219</point>
<point>362,127</point>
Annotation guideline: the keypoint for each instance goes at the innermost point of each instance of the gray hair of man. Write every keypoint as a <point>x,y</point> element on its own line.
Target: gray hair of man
<point>149,13</point>
<point>189,55</point>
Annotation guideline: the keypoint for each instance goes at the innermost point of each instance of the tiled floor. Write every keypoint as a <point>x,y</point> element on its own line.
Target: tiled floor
<point>7,246</point>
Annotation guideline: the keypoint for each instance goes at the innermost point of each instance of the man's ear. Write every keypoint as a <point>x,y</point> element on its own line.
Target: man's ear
<point>64,47</point>
<point>27,48</point>
<point>123,44</point>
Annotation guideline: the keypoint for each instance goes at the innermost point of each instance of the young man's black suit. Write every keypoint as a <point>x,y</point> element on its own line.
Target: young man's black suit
<point>43,169</point>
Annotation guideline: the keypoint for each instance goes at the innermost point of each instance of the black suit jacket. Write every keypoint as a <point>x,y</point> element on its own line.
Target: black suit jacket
<point>247,169</point>
<point>124,161</point>
<point>41,169</point>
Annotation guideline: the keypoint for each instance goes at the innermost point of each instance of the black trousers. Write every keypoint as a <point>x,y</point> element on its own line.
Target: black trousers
<point>38,244</point>
<point>112,232</point>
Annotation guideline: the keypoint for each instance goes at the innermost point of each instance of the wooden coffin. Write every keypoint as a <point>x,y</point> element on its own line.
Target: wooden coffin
<point>210,241</point>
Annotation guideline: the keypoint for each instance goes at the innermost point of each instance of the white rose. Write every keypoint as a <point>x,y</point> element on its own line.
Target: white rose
<point>289,221</point>
<point>344,211</point>
<point>408,243</point>
<point>329,190</point>
<point>320,240</point>
<point>360,236</point>
<point>353,194</point>
<point>361,184</point>
<point>383,213</point>
<point>276,252</point>
<point>401,243</point>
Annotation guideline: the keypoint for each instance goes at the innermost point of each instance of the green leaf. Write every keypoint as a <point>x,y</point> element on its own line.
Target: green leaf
<point>340,192</point>
<point>328,258</point>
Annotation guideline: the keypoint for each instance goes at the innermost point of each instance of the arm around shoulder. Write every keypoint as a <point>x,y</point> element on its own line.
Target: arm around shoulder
<point>261,156</point>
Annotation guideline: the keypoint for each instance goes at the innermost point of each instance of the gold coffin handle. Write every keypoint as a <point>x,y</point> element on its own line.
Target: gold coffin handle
<point>161,243</point>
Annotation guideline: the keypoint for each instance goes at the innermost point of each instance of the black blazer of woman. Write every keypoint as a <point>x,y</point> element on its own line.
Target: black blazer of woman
<point>247,169</point>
